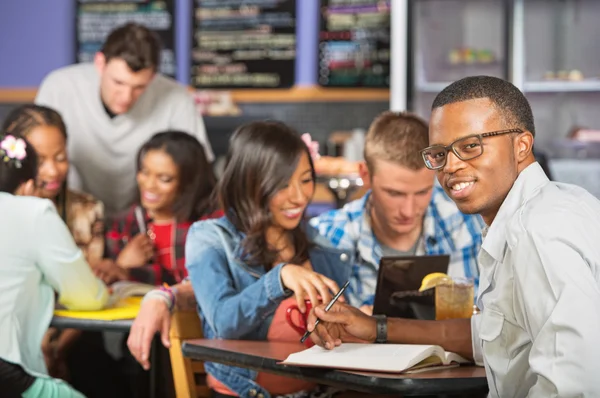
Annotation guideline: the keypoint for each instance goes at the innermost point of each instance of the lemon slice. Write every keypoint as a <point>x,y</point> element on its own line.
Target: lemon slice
<point>431,280</point>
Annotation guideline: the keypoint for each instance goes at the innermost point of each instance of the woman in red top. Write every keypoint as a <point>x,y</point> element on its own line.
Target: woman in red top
<point>175,183</point>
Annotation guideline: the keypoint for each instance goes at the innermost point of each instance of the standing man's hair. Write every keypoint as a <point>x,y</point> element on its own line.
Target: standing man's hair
<point>508,100</point>
<point>135,44</point>
<point>396,137</point>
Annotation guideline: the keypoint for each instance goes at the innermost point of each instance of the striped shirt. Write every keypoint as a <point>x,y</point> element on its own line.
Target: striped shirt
<point>445,231</point>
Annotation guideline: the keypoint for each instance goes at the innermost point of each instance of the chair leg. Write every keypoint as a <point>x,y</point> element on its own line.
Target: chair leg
<point>185,386</point>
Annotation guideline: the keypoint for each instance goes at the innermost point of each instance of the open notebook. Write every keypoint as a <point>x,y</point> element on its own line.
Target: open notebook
<point>392,358</point>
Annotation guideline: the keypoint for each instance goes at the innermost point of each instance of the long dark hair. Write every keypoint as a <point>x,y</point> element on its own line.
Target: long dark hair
<point>262,158</point>
<point>21,120</point>
<point>13,173</point>
<point>196,178</point>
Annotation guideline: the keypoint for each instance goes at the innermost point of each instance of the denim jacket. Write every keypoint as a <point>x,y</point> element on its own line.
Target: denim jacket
<point>236,301</point>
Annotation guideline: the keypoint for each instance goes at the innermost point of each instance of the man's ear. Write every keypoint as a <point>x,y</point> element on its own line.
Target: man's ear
<point>100,62</point>
<point>365,174</point>
<point>523,146</point>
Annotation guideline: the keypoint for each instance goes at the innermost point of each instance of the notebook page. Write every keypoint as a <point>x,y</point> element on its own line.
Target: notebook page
<point>369,357</point>
<point>452,357</point>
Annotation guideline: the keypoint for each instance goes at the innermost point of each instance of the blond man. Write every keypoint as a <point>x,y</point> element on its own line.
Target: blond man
<point>404,213</point>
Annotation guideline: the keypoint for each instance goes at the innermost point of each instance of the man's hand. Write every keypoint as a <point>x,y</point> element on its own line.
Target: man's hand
<point>154,316</point>
<point>342,323</point>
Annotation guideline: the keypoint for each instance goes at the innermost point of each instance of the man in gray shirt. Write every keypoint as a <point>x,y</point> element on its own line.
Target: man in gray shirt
<point>112,106</point>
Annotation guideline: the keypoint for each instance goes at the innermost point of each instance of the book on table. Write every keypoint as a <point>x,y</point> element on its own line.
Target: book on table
<point>390,358</point>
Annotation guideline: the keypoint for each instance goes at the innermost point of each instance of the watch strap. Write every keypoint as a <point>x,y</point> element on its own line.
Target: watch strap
<point>381,324</point>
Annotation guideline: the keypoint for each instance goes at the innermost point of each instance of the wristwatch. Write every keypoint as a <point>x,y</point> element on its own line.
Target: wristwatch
<point>381,329</point>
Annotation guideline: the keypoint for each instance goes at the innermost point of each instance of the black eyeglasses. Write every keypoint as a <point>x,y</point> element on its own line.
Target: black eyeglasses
<point>465,148</point>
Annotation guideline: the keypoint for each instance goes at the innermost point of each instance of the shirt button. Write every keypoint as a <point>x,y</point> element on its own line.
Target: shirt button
<point>344,257</point>
<point>253,392</point>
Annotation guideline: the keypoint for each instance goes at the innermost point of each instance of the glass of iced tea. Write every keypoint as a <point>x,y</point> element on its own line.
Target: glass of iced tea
<point>454,298</point>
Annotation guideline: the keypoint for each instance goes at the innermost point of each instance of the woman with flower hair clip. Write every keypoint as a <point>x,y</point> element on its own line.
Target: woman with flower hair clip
<point>65,350</point>
<point>45,129</point>
<point>39,258</point>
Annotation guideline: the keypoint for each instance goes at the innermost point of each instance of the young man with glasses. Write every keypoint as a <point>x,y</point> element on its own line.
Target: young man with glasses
<point>539,288</point>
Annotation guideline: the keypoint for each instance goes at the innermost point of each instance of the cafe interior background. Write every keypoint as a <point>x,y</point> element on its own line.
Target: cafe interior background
<point>328,69</point>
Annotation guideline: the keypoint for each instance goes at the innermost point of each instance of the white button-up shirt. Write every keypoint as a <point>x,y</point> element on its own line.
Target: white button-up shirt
<point>539,292</point>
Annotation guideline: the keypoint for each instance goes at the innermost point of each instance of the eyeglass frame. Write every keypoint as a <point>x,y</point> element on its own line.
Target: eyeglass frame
<point>450,147</point>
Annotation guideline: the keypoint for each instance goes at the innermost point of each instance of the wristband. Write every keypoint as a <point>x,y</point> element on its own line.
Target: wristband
<point>381,329</point>
<point>169,291</point>
<point>158,294</point>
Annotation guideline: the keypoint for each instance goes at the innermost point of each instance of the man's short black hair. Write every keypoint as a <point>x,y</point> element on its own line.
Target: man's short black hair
<point>509,100</point>
<point>135,44</point>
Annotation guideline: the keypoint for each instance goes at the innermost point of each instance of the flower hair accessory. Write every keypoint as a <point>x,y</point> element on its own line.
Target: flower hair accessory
<point>12,149</point>
<point>313,146</point>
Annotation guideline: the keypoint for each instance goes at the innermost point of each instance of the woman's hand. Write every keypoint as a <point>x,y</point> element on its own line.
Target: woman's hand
<point>154,316</point>
<point>107,270</point>
<point>136,253</point>
<point>304,282</point>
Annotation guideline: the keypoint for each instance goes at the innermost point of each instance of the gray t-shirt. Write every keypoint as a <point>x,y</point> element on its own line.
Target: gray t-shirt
<point>387,251</point>
<point>102,149</point>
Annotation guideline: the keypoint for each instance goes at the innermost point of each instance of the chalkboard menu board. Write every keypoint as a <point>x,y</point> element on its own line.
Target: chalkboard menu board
<point>244,44</point>
<point>97,18</point>
<point>354,43</point>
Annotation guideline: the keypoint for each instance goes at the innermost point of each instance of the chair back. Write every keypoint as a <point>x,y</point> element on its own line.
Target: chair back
<point>189,377</point>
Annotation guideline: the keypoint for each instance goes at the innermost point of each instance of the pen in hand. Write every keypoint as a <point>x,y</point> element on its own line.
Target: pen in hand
<point>331,303</point>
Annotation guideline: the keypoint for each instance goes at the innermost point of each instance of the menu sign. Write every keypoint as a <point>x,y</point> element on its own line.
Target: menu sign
<point>354,43</point>
<point>97,18</point>
<point>244,44</point>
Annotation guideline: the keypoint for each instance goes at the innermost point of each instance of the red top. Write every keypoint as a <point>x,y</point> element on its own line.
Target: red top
<point>279,330</point>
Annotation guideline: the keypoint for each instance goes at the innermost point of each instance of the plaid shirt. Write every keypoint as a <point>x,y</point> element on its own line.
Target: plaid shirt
<point>126,227</point>
<point>445,231</point>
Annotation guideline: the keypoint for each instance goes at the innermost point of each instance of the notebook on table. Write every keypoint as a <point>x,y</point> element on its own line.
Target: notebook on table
<point>398,281</point>
<point>387,358</point>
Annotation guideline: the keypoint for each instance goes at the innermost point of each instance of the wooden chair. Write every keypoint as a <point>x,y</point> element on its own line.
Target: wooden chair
<point>189,376</point>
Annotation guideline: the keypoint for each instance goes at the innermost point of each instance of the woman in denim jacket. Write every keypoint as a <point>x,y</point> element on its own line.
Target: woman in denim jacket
<point>245,265</point>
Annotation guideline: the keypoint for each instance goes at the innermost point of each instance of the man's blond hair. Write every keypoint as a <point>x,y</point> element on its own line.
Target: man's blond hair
<point>396,137</point>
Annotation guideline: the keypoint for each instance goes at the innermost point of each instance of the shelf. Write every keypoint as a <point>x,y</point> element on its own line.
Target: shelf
<point>294,94</point>
<point>432,87</point>
<point>561,86</point>
<point>17,95</point>
<point>311,94</point>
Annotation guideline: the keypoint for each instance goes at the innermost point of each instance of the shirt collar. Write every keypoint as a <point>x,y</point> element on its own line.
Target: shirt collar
<point>529,181</point>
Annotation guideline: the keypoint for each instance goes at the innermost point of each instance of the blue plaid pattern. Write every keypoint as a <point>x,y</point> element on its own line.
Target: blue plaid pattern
<point>445,231</point>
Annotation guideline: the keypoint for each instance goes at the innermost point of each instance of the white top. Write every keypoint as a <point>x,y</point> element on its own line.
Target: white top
<point>102,149</point>
<point>539,292</point>
<point>38,258</point>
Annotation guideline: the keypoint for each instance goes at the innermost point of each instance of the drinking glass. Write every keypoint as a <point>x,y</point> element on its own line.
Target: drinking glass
<point>454,298</point>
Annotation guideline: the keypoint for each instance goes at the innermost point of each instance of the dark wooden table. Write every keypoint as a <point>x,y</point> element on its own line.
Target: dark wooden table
<point>266,357</point>
<point>93,325</point>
